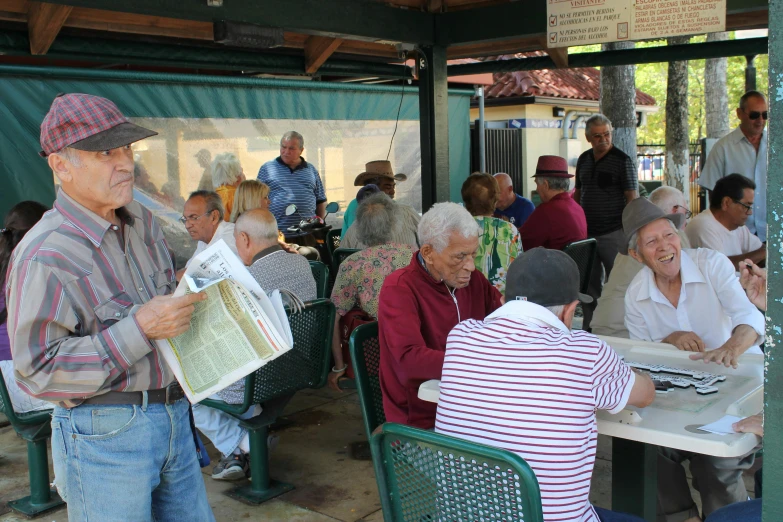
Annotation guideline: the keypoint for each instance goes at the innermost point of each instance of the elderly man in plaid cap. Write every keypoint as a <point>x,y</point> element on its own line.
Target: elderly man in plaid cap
<point>87,296</point>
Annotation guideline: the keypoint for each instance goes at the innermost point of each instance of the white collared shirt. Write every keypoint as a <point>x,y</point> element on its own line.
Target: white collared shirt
<point>732,154</point>
<point>712,303</point>
<point>225,231</point>
<point>704,231</point>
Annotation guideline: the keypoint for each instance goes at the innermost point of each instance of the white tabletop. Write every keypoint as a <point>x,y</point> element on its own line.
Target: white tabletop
<point>671,420</point>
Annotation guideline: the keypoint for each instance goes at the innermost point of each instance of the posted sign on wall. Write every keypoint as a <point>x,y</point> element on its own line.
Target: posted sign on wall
<point>584,22</point>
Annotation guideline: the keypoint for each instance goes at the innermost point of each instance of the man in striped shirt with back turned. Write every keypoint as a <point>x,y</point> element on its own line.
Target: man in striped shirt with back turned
<point>522,381</point>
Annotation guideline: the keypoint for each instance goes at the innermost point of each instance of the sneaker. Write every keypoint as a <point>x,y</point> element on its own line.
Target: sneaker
<point>232,467</point>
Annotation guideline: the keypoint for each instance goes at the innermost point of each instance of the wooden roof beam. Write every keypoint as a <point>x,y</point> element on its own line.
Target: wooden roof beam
<point>317,50</point>
<point>44,22</point>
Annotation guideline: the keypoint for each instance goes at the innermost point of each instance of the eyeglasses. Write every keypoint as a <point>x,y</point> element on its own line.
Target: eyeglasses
<point>754,115</point>
<point>748,208</point>
<point>184,219</point>
<point>688,213</point>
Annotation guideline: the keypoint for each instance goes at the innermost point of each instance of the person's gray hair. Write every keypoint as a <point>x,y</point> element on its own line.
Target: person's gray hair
<point>226,169</point>
<point>557,309</point>
<point>212,200</point>
<point>633,241</point>
<point>442,220</point>
<point>556,183</point>
<point>259,225</point>
<point>71,155</point>
<point>666,198</point>
<point>291,135</point>
<point>375,219</point>
<point>598,119</point>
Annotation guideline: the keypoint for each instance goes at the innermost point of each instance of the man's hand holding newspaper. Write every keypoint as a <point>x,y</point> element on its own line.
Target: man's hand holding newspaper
<point>235,331</point>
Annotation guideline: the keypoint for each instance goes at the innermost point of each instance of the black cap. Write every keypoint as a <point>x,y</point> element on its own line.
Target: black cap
<point>545,277</point>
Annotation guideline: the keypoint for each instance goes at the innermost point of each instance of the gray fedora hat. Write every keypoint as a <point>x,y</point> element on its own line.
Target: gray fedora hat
<point>641,212</point>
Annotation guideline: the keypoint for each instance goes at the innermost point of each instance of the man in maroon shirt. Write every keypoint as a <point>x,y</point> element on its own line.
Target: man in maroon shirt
<point>558,220</point>
<point>421,303</point>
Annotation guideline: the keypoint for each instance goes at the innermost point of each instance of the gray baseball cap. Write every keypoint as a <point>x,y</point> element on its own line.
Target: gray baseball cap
<point>545,277</point>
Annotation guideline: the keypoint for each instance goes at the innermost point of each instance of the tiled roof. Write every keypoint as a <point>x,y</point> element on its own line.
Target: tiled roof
<point>580,84</point>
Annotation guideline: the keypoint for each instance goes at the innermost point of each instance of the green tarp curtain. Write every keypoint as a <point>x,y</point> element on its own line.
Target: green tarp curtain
<point>27,92</point>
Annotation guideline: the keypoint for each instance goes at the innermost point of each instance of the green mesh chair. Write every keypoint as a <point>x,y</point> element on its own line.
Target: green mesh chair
<point>333,239</point>
<point>338,256</point>
<point>366,358</point>
<point>584,253</point>
<point>35,428</point>
<point>321,275</point>
<point>273,385</point>
<point>424,475</point>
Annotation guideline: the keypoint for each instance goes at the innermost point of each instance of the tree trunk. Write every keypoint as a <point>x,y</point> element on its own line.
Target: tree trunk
<point>677,171</point>
<point>716,96</point>
<point>618,101</point>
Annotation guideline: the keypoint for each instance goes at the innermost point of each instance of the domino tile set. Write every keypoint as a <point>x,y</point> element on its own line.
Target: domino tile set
<point>703,382</point>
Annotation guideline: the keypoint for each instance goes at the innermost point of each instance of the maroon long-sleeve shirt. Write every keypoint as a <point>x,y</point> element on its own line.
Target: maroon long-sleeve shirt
<point>415,315</point>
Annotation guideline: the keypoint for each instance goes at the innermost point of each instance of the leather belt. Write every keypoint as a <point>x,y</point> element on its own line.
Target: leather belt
<point>169,395</point>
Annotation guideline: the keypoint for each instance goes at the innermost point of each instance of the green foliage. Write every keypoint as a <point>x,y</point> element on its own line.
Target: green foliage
<point>651,79</point>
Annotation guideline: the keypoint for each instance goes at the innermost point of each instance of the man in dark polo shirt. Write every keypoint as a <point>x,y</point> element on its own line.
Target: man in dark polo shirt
<point>605,183</point>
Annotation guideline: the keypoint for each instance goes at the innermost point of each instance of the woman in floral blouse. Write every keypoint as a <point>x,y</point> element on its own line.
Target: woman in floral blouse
<point>499,242</point>
<point>361,275</point>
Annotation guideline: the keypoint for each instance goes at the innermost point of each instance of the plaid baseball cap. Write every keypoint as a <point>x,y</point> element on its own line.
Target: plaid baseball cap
<point>86,122</point>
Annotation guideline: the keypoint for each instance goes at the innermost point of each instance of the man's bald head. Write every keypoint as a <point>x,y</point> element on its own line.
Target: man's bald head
<point>507,195</point>
<point>255,230</point>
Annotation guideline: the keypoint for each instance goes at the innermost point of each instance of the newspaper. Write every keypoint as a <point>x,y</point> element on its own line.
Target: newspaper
<point>235,331</point>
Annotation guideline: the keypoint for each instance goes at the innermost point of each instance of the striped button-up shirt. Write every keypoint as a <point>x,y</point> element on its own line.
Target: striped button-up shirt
<point>74,285</point>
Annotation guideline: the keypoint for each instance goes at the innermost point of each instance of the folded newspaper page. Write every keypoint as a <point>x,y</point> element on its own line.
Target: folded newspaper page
<point>235,331</point>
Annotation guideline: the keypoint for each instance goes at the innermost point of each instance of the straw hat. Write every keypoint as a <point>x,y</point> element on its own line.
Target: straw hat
<point>374,169</point>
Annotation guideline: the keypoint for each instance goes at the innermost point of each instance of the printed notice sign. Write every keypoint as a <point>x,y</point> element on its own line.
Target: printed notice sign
<point>659,18</point>
<point>584,22</point>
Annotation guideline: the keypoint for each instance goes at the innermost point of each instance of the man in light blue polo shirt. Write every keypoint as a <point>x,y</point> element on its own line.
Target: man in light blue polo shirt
<point>744,151</point>
<point>292,180</point>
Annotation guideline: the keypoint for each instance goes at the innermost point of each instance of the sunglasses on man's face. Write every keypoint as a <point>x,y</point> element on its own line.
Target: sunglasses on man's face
<point>754,115</point>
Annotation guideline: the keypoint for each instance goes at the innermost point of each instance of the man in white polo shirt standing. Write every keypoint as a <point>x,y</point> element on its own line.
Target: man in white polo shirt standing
<point>522,381</point>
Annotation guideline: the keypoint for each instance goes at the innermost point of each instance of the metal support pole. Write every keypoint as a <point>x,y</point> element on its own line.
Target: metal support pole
<point>481,134</point>
<point>434,124</point>
<point>773,378</point>
<point>750,73</point>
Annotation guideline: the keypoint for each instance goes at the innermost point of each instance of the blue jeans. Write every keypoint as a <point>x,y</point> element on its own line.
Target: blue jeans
<point>748,511</point>
<point>612,516</point>
<point>122,462</point>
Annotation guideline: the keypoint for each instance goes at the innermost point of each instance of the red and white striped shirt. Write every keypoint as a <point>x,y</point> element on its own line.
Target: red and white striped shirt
<point>521,381</point>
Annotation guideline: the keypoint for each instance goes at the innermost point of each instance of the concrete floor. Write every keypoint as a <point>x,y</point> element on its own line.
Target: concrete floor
<point>313,454</point>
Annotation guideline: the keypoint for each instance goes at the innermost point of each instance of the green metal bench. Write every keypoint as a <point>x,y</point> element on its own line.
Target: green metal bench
<point>273,385</point>
<point>35,428</point>
<point>321,276</point>
<point>366,358</point>
<point>424,475</point>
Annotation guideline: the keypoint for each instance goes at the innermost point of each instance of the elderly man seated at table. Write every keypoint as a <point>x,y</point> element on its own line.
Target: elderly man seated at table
<point>722,226</point>
<point>274,268</point>
<point>552,379</point>
<point>358,283</point>
<point>499,242</point>
<point>204,219</point>
<point>558,220</point>
<point>609,315</point>
<point>421,303</point>
<point>693,300</point>
<point>404,229</point>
